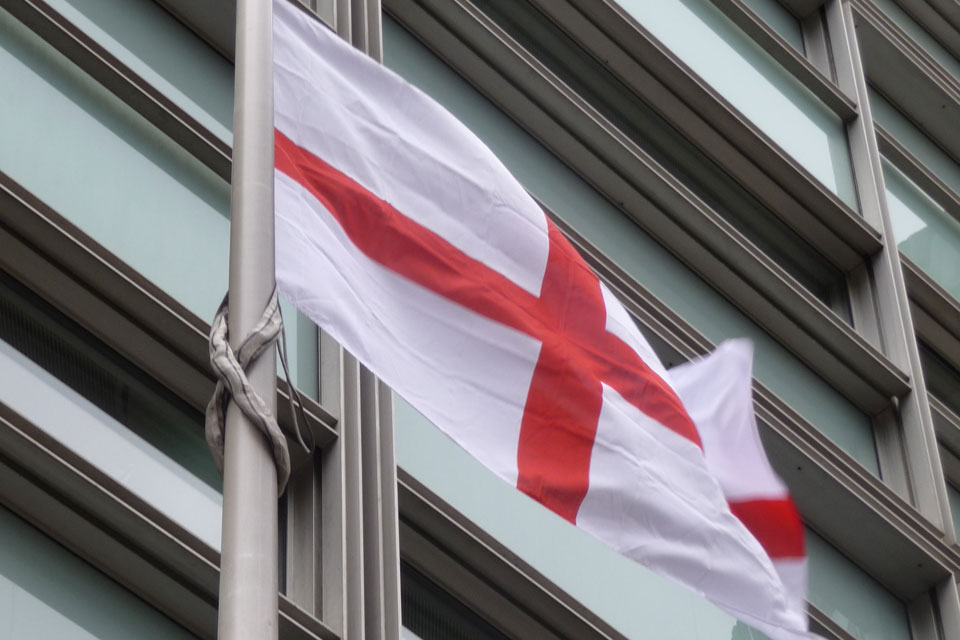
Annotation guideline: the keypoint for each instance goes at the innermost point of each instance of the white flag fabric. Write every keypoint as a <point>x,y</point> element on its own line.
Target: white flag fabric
<point>405,238</point>
<point>716,391</point>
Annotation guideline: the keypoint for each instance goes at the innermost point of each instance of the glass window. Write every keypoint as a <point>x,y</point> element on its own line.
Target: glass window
<point>953,495</point>
<point>780,20</point>
<point>430,613</point>
<point>632,249</point>
<point>850,597</point>
<point>65,382</point>
<point>752,81</point>
<point>47,592</point>
<point>98,163</point>
<point>162,51</point>
<point>925,232</point>
<point>943,380</point>
<point>923,148</point>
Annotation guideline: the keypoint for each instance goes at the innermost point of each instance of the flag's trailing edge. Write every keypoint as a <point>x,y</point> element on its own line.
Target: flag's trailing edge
<point>403,236</point>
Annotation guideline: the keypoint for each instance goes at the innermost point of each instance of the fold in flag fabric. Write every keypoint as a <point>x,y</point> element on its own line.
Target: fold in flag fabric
<point>405,238</point>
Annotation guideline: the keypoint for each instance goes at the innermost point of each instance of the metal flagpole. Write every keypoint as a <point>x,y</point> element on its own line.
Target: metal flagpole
<point>248,564</point>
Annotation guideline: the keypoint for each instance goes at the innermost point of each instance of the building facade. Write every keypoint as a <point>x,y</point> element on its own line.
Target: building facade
<point>783,170</point>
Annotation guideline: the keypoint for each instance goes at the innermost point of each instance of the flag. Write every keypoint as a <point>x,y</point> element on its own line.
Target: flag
<point>405,238</point>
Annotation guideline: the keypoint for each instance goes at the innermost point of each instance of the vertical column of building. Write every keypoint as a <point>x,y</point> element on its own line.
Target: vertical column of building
<point>343,560</point>
<point>905,436</point>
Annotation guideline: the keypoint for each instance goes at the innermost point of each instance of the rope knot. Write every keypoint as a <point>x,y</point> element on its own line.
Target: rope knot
<point>232,383</point>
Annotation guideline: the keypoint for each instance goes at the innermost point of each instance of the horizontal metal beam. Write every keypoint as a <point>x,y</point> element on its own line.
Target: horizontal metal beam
<point>654,198</point>
<point>98,519</point>
<point>119,306</point>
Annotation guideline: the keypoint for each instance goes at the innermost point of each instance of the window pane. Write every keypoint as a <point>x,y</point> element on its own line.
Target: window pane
<point>47,592</point>
<point>161,50</point>
<point>953,495</point>
<point>907,134</point>
<point>68,384</point>
<point>780,20</point>
<point>753,82</point>
<point>430,613</point>
<point>851,598</point>
<point>925,232</point>
<point>630,247</point>
<point>943,381</point>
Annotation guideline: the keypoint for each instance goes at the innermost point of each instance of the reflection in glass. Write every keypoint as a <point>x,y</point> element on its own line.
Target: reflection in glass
<point>925,232</point>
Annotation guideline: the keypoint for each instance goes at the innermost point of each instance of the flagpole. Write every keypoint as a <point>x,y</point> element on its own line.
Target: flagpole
<point>248,559</point>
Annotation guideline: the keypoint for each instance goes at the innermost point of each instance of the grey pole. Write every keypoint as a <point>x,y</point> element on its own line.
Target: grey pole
<point>248,560</point>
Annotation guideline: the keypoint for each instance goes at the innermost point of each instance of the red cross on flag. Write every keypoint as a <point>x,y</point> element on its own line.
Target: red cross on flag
<point>402,235</point>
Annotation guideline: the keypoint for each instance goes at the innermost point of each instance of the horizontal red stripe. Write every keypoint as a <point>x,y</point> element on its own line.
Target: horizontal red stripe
<point>775,524</point>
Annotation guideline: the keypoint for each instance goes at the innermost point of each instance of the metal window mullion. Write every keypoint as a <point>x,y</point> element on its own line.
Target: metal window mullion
<point>896,325</point>
<point>333,521</point>
<point>860,286</point>
<point>920,449</point>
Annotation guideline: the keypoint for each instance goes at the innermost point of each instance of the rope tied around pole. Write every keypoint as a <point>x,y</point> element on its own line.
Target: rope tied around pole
<point>232,384</point>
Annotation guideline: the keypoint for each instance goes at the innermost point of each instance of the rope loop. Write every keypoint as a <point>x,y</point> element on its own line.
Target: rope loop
<point>232,384</point>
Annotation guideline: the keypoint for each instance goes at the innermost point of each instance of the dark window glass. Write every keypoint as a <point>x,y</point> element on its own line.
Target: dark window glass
<point>78,359</point>
<point>943,381</point>
<point>430,613</point>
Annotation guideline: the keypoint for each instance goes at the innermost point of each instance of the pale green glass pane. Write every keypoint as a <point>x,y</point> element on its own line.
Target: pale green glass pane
<point>780,20</point>
<point>907,134</point>
<point>48,593</point>
<point>97,162</point>
<point>164,52</point>
<point>850,597</point>
<point>953,495</point>
<point>753,82</point>
<point>925,232</point>
<point>930,44</point>
<point>634,600</point>
<point>627,245</point>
